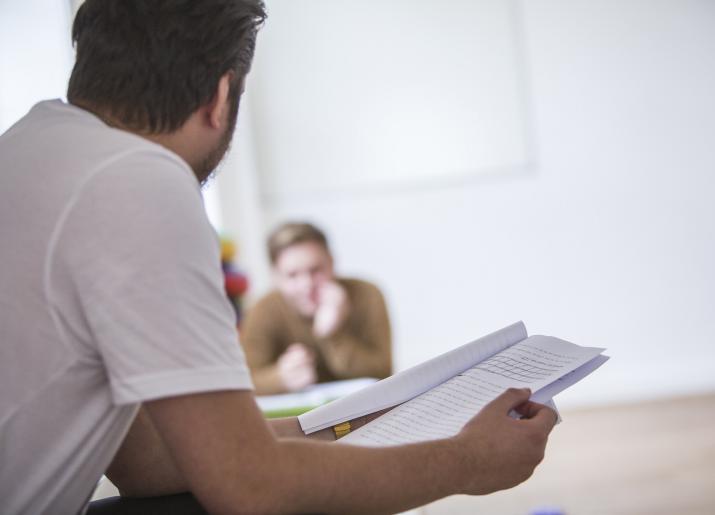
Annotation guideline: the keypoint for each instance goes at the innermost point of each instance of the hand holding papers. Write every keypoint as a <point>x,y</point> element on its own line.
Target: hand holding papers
<point>438,397</point>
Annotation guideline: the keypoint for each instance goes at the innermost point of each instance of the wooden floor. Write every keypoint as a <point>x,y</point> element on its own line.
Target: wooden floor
<point>653,458</point>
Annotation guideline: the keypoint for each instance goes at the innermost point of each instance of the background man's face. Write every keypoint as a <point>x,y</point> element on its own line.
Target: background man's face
<point>299,273</point>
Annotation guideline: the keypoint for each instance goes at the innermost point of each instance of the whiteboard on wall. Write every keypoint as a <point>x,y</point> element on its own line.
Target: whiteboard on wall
<point>372,93</point>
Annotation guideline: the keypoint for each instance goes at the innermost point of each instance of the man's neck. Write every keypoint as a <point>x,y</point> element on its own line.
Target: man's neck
<point>179,142</point>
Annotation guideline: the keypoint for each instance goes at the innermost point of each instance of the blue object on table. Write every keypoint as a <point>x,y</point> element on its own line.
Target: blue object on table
<point>547,510</point>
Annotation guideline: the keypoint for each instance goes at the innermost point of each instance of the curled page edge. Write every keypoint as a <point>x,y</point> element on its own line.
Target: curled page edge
<point>551,404</point>
<point>548,392</point>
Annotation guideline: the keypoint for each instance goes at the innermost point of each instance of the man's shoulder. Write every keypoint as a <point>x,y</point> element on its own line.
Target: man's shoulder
<point>359,287</point>
<point>40,141</point>
<point>267,313</point>
<point>91,136</point>
<point>269,302</point>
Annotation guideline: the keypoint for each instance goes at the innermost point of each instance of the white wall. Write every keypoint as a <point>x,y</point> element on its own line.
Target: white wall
<point>610,239</point>
<point>35,55</point>
<point>347,99</point>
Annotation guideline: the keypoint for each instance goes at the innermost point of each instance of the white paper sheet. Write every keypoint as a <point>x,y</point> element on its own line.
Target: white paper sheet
<point>442,412</point>
<point>410,383</point>
<point>548,392</point>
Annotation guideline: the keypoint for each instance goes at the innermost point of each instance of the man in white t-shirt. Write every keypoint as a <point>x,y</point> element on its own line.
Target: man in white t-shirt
<point>118,352</point>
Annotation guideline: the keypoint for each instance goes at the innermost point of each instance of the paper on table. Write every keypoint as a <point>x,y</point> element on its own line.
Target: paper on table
<point>410,383</point>
<point>314,395</point>
<point>443,411</point>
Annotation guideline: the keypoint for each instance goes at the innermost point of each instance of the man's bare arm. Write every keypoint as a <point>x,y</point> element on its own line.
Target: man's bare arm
<point>143,466</point>
<point>233,462</point>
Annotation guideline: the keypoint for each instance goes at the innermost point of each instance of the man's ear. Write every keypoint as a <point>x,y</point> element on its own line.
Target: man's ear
<point>219,105</point>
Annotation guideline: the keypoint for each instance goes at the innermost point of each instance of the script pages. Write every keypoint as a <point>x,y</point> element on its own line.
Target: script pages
<point>412,382</point>
<point>545,364</point>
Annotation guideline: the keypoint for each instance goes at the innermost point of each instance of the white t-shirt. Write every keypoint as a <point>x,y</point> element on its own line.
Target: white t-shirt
<point>111,293</point>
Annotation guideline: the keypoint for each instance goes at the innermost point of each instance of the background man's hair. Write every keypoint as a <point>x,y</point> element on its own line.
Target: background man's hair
<point>292,233</point>
<point>149,64</point>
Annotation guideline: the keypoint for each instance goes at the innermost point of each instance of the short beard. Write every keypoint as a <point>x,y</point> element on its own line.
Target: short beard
<point>206,170</point>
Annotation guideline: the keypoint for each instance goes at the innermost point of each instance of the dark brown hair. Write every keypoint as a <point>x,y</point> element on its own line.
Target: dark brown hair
<point>292,233</point>
<point>149,64</point>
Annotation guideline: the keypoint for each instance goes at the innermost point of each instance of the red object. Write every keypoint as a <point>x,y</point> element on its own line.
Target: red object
<point>236,284</point>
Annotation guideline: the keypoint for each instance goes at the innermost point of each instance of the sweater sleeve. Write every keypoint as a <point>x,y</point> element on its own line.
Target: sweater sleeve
<point>362,347</point>
<point>261,343</point>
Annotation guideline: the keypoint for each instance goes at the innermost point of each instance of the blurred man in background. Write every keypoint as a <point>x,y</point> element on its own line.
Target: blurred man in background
<point>314,327</point>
